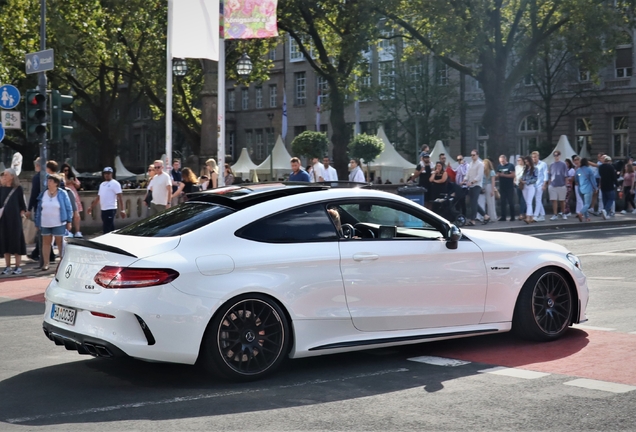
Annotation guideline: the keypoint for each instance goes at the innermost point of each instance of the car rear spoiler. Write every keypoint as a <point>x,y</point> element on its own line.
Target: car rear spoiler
<point>100,246</point>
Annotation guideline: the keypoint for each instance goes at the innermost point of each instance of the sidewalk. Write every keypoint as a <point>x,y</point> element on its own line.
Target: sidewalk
<point>571,223</point>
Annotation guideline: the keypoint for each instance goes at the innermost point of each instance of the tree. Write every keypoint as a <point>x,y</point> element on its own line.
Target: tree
<point>310,144</point>
<point>420,99</point>
<point>366,147</point>
<point>495,42</point>
<point>332,35</point>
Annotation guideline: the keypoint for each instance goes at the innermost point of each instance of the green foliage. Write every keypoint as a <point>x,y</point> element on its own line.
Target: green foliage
<point>310,144</point>
<point>367,147</point>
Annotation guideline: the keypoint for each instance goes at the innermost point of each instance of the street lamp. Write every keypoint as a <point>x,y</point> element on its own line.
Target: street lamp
<point>244,66</point>
<point>270,116</point>
<point>179,67</point>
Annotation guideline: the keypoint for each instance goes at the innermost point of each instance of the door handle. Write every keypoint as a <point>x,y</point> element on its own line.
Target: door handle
<point>365,257</point>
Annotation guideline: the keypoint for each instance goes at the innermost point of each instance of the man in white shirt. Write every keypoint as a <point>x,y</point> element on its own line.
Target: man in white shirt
<point>161,187</point>
<point>317,171</point>
<point>543,177</point>
<point>473,181</point>
<point>108,198</point>
<point>329,174</point>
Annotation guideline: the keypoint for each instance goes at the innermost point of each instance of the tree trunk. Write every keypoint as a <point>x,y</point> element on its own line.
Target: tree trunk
<point>209,135</point>
<point>495,117</point>
<point>339,137</point>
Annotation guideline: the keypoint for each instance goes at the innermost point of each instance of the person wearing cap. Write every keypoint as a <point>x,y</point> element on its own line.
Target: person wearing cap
<point>609,182</point>
<point>423,173</point>
<point>557,188</point>
<point>109,198</point>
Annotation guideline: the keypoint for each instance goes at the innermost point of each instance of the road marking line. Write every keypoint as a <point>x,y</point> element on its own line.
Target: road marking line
<point>634,333</point>
<point>514,372</point>
<point>600,385</point>
<point>560,233</point>
<point>589,327</point>
<point>194,398</point>
<point>439,361</point>
<point>605,278</point>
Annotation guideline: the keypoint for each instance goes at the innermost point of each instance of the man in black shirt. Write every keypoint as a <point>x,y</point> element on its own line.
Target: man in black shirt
<point>609,181</point>
<point>175,174</point>
<point>506,176</point>
<point>423,175</point>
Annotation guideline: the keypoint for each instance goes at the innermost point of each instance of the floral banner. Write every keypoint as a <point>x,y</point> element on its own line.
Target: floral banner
<point>250,19</point>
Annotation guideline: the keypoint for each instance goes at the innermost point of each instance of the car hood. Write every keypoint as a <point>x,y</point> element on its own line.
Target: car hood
<point>501,241</point>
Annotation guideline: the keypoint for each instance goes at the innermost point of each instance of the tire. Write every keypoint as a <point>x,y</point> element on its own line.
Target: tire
<point>247,339</point>
<point>544,307</point>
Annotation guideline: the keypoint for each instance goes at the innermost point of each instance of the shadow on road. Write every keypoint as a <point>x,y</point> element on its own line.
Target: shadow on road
<point>24,307</point>
<point>102,390</point>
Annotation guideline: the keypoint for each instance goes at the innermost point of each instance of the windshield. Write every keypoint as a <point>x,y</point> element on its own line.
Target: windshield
<point>177,220</point>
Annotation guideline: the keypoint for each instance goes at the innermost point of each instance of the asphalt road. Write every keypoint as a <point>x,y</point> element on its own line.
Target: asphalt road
<point>586,381</point>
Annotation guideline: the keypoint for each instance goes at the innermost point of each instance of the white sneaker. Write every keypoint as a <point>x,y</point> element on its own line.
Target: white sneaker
<point>6,270</point>
<point>634,211</point>
<point>555,217</point>
<point>623,211</point>
<point>565,217</point>
<point>604,214</point>
<point>17,271</point>
<point>78,234</point>
<point>540,219</point>
<point>68,234</point>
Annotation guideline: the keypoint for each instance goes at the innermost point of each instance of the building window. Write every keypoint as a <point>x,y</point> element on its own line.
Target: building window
<point>624,62</point>
<point>386,75</point>
<point>231,100</point>
<point>259,97</point>
<point>584,75</point>
<point>231,144</point>
<point>442,74</point>
<point>260,151</point>
<point>138,113</point>
<point>583,134</point>
<point>620,136</point>
<point>148,113</point>
<point>249,139</point>
<point>245,98</point>
<point>323,89</point>
<point>528,134</point>
<point>324,128</point>
<point>271,139</point>
<point>301,88</point>
<point>273,95</point>
<point>482,140</point>
<point>527,80</point>
<point>272,54</point>
<point>295,54</point>
<point>299,129</point>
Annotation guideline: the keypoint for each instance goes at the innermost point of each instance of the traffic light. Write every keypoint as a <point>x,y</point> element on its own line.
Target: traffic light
<point>36,115</point>
<point>60,117</point>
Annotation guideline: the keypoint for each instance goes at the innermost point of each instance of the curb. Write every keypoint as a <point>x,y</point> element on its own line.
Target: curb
<point>515,227</point>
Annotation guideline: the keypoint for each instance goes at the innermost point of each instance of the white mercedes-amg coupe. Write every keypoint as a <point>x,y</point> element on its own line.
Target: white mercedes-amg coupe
<point>240,278</point>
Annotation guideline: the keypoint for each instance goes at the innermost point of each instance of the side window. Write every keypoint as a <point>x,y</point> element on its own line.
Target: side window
<point>299,225</point>
<point>383,215</point>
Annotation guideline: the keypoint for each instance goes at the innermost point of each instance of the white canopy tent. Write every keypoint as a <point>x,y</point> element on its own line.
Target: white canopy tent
<point>279,163</point>
<point>122,173</point>
<point>390,165</point>
<point>244,166</point>
<point>584,153</point>
<point>439,149</point>
<point>564,147</point>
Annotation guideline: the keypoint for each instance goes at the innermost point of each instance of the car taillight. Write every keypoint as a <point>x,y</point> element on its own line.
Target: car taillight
<point>111,277</point>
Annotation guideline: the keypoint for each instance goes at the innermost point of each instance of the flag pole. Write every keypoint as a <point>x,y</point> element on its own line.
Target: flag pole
<point>168,160</point>
<point>221,99</point>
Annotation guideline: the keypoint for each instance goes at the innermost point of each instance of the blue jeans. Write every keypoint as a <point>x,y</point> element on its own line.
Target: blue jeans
<point>108,220</point>
<point>522,201</point>
<point>587,202</point>
<point>608,200</point>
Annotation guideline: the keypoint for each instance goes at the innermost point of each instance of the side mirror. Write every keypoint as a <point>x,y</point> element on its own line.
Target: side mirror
<point>454,235</point>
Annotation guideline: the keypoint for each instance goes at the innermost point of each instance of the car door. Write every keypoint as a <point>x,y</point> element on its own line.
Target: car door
<point>409,278</point>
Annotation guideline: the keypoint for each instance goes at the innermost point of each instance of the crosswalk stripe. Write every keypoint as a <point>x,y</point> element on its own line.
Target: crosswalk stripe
<point>600,385</point>
<point>588,327</point>
<point>514,372</point>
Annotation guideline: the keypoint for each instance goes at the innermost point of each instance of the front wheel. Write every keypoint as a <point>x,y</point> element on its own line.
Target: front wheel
<point>247,339</point>
<point>544,307</point>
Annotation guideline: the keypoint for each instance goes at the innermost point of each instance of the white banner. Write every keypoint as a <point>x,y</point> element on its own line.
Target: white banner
<point>194,29</point>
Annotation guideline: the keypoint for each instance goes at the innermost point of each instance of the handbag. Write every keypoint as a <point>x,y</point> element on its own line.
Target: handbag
<point>29,230</point>
<point>521,186</point>
<point>6,200</point>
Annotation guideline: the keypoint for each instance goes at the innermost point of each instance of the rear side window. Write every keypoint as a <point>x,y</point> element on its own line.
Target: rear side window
<point>177,220</point>
<point>299,225</point>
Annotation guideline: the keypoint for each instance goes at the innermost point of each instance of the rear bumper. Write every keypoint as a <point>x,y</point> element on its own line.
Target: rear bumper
<point>81,343</point>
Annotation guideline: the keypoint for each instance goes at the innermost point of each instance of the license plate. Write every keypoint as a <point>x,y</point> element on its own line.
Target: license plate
<point>63,314</point>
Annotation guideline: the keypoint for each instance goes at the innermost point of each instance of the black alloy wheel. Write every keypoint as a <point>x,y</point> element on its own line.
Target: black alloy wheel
<point>247,339</point>
<point>545,306</point>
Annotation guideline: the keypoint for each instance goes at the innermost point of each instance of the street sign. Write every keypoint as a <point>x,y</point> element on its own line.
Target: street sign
<point>9,96</point>
<point>40,61</point>
<point>1,133</point>
<point>11,119</point>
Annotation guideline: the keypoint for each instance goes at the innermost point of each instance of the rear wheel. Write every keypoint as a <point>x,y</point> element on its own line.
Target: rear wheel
<point>247,339</point>
<point>544,307</point>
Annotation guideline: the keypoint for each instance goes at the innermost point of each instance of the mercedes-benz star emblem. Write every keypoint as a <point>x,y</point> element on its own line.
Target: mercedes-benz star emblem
<point>69,270</point>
